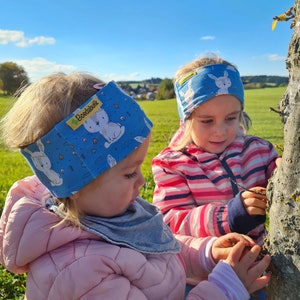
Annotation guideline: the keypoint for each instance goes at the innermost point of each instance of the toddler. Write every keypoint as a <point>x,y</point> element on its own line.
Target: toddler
<point>78,227</point>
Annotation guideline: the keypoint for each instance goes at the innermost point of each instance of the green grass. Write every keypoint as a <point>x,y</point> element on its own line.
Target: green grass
<point>13,165</point>
<point>265,123</point>
<point>12,168</point>
<point>163,114</point>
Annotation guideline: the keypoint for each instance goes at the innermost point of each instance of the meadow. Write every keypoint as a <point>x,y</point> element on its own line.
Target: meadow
<point>163,114</point>
<point>265,123</point>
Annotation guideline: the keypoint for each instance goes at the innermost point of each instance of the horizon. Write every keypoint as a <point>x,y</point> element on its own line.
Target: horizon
<point>147,79</point>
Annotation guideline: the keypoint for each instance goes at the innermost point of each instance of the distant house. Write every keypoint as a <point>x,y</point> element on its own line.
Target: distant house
<point>133,94</point>
<point>150,96</point>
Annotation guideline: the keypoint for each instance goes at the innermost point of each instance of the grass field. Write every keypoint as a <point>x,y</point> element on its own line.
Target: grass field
<point>265,124</point>
<point>163,114</point>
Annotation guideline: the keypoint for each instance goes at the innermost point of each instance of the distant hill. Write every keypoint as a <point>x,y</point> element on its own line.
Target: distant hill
<point>262,81</point>
<point>257,81</point>
<point>147,89</point>
<point>141,82</point>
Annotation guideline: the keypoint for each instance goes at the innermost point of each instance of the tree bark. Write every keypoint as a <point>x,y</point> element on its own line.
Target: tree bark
<point>283,241</point>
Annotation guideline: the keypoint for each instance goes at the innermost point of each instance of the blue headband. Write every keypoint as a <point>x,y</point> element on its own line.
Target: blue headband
<point>204,83</point>
<point>100,133</point>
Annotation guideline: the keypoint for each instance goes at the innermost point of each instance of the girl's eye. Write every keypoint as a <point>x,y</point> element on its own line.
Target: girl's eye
<point>206,121</point>
<point>231,119</point>
<point>131,175</point>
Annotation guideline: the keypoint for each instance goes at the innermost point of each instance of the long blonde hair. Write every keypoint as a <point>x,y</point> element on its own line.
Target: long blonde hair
<point>209,59</point>
<point>39,107</point>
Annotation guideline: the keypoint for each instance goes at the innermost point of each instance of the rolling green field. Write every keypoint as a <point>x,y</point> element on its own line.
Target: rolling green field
<point>265,124</point>
<point>163,114</point>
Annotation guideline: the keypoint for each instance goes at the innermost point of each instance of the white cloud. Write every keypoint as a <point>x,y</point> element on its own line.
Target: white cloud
<point>39,67</point>
<point>275,57</point>
<point>207,38</point>
<point>20,40</point>
<point>118,77</point>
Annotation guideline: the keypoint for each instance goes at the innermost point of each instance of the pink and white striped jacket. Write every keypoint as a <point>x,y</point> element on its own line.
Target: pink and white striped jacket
<point>199,192</point>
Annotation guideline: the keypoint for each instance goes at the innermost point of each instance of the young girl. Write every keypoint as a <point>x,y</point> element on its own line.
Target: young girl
<point>211,179</point>
<point>78,226</point>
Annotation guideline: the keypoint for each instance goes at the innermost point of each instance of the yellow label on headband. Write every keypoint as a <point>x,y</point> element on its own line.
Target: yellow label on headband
<point>84,113</point>
<point>186,77</point>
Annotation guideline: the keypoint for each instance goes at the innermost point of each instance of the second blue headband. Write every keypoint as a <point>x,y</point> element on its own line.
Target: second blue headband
<point>100,133</point>
<point>204,83</point>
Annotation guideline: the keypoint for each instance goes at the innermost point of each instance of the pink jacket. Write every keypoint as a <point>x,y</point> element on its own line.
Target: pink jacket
<point>68,263</point>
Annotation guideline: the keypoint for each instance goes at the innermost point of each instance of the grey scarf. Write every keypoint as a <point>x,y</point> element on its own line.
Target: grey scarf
<point>140,228</point>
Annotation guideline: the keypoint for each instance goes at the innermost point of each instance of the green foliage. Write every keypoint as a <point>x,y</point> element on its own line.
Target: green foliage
<point>165,90</point>
<point>163,114</point>
<point>12,77</point>
<point>11,286</point>
<point>265,80</point>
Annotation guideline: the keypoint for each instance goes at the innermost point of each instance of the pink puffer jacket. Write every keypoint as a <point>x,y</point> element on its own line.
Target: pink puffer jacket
<point>68,263</point>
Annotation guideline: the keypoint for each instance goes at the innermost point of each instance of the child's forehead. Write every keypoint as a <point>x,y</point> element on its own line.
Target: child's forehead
<point>137,157</point>
<point>224,103</point>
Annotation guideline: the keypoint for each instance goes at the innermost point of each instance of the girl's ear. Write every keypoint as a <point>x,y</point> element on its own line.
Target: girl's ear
<point>75,196</point>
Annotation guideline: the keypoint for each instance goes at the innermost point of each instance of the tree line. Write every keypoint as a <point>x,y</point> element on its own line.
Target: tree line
<point>14,77</point>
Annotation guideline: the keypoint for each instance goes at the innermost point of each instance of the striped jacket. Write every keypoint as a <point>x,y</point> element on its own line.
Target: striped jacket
<point>199,192</point>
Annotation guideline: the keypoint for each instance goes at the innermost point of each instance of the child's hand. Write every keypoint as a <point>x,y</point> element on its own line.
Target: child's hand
<point>223,245</point>
<point>278,161</point>
<point>248,268</point>
<point>255,201</point>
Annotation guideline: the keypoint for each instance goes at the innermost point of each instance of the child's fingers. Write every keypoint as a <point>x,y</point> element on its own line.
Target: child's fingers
<point>250,257</point>
<point>254,211</point>
<point>233,237</point>
<point>256,269</point>
<point>278,161</point>
<point>236,253</point>
<point>255,202</point>
<point>255,206</point>
<point>222,247</point>
<point>256,191</point>
<point>259,283</point>
<point>260,266</point>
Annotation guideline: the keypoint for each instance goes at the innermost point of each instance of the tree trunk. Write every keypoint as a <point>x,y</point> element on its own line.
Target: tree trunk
<point>283,242</point>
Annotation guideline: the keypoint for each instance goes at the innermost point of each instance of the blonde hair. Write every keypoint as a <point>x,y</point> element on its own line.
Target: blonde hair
<point>209,59</point>
<point>39,107</point>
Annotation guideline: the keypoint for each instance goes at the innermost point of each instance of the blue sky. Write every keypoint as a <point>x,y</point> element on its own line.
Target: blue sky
<point>136,40</point>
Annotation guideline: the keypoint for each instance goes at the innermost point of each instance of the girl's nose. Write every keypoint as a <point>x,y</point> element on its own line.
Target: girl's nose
<point>140,180</point>
<point>219,129</point>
